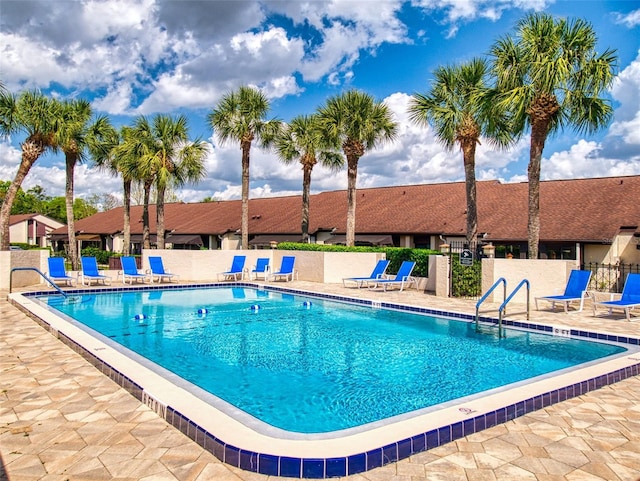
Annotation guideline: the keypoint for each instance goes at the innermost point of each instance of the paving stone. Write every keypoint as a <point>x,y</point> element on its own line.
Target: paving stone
<point>55,409</point>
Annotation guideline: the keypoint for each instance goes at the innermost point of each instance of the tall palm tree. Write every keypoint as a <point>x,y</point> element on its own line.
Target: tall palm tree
<point>173,160</point>
<point>103,142</point>
<point>303,140</point>
<point>136,144</point>
<point>356,123</point>
<point>241,116</point>
<point>77,129</point>
<point>34,115</point>
<point>454,107</point>
<point>549,76</point>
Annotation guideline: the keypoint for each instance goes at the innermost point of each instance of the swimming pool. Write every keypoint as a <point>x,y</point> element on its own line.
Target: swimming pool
<point>341,454</point>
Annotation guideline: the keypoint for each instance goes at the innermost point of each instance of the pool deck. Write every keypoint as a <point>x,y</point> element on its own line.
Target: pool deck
<point>61,419</point>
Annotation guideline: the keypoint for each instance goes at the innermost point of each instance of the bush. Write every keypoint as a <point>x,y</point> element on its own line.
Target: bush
<point>101,256</point>
<point>395,255</point>
<point>466,279</point>
<point>27,247</point>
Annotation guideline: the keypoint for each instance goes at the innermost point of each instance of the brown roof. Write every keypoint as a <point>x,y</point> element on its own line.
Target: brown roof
<point>571,210</point>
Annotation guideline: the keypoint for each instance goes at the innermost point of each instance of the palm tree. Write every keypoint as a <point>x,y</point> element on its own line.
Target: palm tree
<point>240,116</point>
<point>34,115</point>
<point>454,108</point>
<point>303,140</point>
<point>77,130</point>
<point>550,77</point>
<point>103,142</point>
<point>173,160</point>
<point>136,144</point>
<point>356,123</point>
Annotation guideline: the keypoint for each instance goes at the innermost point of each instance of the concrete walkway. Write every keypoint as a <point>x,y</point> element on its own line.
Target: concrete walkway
<point>60,419</point>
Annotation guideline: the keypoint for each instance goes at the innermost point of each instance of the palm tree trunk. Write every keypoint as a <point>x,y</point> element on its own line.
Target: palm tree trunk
<point>469,156</point>
<point>160,217</point>
<point>246,147</point>
<point>352,174</point>
<point>539,129</point>
<point>306,187</point>
<point>68,194</point>
<point>146,241</point>
<point>31,150</point>
<point>126,209</point>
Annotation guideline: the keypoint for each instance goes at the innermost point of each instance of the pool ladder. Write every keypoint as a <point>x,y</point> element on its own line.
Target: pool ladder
<point>53,284</point>
<point>503,307</point>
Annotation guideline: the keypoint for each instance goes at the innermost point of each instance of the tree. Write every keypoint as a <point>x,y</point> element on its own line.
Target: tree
<point>107,154</point>
<point>77,129</point>
<point>136,144</point>
<point>356,123</point>
<point>30,202</point>
<point>454,107</point>
<point>240,116</point>
<point>549,76</point>
<point>303,140</point>
<point>34,115</point>
<point>171,160</point>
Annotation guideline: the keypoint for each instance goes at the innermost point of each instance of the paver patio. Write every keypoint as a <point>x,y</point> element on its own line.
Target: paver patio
<point>60,419</point>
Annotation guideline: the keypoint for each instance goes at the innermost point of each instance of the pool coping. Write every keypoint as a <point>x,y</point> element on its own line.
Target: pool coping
<point>238,445</point>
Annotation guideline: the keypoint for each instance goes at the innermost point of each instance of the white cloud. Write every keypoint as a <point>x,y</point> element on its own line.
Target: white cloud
<point>584,159</point>
<point>626,90</point>
<point>629,20</point>
<point>459,11</point>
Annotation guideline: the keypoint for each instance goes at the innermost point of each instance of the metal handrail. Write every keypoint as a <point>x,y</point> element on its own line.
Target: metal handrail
<point>486,294</point>
<point>502,308</point>
<point>53,284</point>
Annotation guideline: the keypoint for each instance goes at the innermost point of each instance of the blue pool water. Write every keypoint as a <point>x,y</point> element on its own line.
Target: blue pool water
<point>310,365</point>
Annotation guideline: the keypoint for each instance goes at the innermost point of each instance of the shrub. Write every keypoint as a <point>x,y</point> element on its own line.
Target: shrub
<point>101,256</point>
<point>395,255</point>
<point>466,278</point>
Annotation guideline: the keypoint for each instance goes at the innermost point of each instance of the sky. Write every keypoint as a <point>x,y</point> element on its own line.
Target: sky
<point>144,57</point>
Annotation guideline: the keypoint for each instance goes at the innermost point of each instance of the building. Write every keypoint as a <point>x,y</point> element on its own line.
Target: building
<point>592,220</point>
<point>32,229</point>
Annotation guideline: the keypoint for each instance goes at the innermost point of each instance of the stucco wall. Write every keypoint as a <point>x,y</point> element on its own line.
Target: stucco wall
<point>545,277</point>
<point>311,266</point>
<point>26,258</point>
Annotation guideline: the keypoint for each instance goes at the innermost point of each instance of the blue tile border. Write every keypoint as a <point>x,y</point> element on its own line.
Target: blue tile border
<point>317,468</point>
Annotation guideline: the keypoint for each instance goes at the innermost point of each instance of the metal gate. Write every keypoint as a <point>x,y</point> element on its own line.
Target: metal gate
<point>465,269</point>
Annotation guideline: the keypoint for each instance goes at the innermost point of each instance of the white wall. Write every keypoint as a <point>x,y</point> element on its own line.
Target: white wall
<point>545,277</point>
<point>312,266</point>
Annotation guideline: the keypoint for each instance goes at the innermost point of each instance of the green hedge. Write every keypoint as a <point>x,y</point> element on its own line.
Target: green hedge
<point>395,255</point>
<point>101,256</point>
<point>466,279</point>
<point>28,247</point>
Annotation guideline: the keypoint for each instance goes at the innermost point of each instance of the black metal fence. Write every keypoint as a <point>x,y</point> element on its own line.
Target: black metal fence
<point>465,261</point>
<point>609,277</point>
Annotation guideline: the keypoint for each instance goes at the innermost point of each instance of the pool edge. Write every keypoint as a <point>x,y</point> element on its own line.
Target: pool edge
<point>310,467</point>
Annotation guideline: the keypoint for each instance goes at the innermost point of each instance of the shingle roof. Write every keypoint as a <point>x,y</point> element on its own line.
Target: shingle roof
<point>571,210</point>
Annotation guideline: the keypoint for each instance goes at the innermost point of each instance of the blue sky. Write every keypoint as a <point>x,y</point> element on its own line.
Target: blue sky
<point>131,57</point>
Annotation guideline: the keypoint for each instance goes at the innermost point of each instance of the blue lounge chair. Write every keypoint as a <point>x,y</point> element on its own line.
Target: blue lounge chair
<point>630,297</point>
<point>403,278</point>
<point>130,270</point>
<point>57,272</point>
<point>261,269</point>
<point>286,269</point>
<point>156,270</point>
<point>575,291</point>
<point>377,273</point>
<point>236,271</point>
<point>91,273</point>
